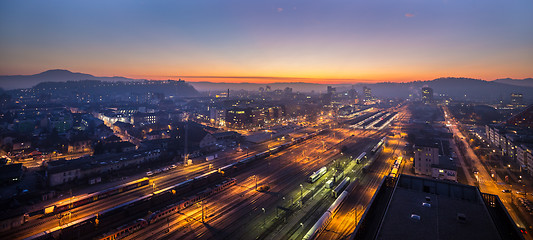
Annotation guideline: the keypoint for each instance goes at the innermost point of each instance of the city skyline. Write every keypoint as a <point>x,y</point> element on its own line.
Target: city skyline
<point>270,42</point>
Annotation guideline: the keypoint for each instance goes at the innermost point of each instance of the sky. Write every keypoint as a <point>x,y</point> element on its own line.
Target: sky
<point>270,41</point>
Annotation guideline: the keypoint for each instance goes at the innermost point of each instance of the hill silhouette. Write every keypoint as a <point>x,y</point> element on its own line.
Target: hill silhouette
<point>456,88</point>
<point>54,75</point>
<point>526,82</point>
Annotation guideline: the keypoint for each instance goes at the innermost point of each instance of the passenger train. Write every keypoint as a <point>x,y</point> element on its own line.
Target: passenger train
<point>323,222</point>
<point>169,210</point>
<point>165,195</point>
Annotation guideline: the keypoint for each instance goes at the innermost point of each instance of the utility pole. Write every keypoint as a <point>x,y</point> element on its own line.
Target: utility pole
<point>203,216</point>
<point>301,195</point>
<point>185,153</point>
<point>70,205</point>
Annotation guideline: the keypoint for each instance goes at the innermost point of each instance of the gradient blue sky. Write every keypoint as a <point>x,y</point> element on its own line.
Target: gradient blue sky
<point>340,41</point>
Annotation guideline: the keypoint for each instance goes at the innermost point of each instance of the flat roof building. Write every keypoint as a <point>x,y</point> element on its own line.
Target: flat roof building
<point>410,207</point>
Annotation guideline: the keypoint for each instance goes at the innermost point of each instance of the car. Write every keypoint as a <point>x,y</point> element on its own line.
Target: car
<point>173,166</point>
<point>506,191</point>
<point>149,173</point>
<point>520,193</point>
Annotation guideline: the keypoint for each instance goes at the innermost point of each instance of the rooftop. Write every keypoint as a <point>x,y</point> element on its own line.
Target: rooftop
<point>92,161</point>
<point>410,207</point>
<point>446,162</point>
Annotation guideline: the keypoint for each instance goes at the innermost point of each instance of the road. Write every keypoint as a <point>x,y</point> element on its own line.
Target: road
<point>486,183</point>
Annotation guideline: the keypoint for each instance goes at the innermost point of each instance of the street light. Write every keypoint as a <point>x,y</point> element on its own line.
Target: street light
<point>264,217</point>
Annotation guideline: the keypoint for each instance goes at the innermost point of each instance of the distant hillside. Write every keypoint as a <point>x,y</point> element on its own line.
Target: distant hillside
<point>106,89</point>
<point>457,88</point>
<point>57,75</point>
<point>526,82</point>
<point>296,86</point>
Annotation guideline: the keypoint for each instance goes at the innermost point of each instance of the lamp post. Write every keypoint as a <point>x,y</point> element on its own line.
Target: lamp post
<point>255,182</point>
<point>264,217</point>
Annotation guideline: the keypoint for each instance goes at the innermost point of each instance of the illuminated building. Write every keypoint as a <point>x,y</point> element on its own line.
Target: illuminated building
<point>517,99</point>
<point>368,93</point>
<point>427,95</point>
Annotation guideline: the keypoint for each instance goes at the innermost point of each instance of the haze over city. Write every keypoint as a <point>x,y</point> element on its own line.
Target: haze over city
<point>290,120</point>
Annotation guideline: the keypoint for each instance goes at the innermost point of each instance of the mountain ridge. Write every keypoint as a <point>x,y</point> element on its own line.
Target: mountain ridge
<point>455,87</point>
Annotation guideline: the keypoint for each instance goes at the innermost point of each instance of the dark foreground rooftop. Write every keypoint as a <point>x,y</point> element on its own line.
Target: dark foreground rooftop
<point>410,207</point>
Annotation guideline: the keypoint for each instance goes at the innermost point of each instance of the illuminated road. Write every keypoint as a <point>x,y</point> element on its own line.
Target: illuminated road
<point>486,183</point>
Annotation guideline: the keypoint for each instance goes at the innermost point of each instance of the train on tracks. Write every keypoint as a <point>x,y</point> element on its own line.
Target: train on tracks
<point>126,229</point>
<point>323,222</point>
<point>361,157</point>
<point>377,148</point>
<point>335,193</point>
<point>168,194</point>
<point>79,201</point>
<point>169,210</point>
<point>318,174</point>
<point>396,167</point>
<point>237,166</point>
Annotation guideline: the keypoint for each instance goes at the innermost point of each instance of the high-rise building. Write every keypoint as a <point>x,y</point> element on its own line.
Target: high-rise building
<point>368,93</point>
<point>331,90</point>
<point>217,116</point>
<point>427,95</point>
<point>352,93</point>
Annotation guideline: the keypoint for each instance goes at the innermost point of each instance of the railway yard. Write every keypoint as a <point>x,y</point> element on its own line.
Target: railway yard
<point>268,193</point>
